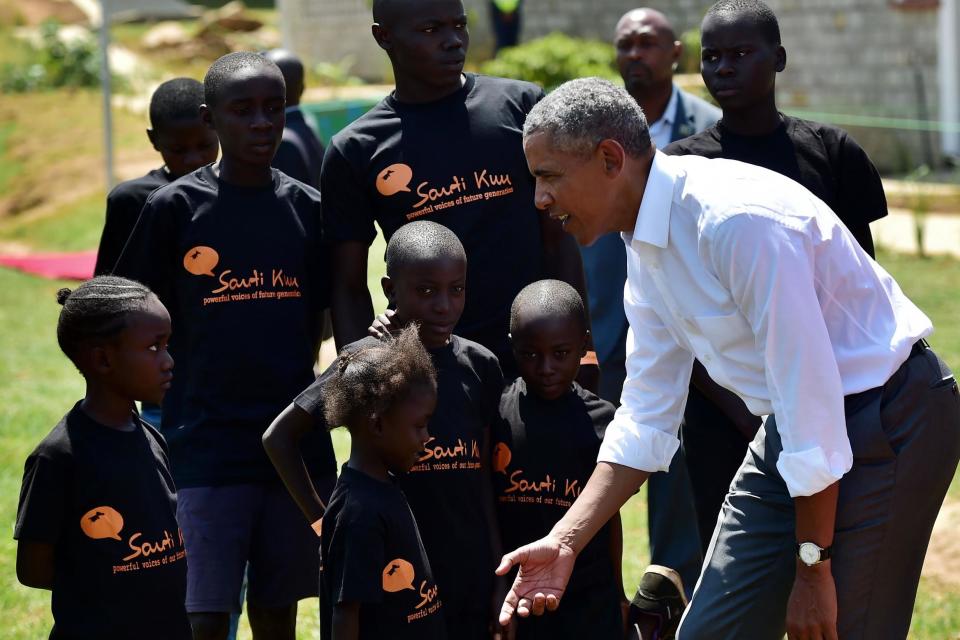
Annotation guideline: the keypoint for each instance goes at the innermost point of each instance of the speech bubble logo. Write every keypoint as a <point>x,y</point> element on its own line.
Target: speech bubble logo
<point>102,522</point>
<point>398,575</point>
<point>394,178</point>
<point>501,457</point>
<point>201,260</point>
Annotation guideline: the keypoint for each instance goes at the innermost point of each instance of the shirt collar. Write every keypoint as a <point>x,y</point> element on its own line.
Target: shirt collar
<point>653,218</point>
<point>671,110</point>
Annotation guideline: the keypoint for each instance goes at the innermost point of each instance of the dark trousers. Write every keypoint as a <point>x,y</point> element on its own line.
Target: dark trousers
<point>905,438</point>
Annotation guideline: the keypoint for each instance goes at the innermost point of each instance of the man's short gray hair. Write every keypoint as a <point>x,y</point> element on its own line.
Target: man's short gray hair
<point>579,114</point>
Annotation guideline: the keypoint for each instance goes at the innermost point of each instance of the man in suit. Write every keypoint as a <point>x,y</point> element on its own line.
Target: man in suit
<point>647,56</point>
<point>301,152</point>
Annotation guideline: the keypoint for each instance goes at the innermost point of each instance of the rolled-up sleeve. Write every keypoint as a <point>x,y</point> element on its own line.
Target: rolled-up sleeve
<point>643,433</point>
<point>769,270</point>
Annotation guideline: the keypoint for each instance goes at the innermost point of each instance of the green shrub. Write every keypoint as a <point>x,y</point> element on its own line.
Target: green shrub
<point>690,60</point>
<point>56,62</point>
<point>552,60</point>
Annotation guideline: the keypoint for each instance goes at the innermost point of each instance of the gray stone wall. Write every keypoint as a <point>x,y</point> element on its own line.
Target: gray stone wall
<point>852,57</point>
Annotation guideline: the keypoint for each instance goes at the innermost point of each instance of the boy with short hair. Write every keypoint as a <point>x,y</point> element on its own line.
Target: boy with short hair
<point>546,442</point>
<point>235,251</point>
<point>184,143</point>
<point>449,486</point>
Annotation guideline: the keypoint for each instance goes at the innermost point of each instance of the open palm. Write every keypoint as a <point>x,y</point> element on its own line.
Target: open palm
<point>545,568</point>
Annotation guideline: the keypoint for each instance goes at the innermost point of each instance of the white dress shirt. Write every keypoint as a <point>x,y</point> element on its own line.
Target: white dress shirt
<point>756,277</point>
<point>661,130</point>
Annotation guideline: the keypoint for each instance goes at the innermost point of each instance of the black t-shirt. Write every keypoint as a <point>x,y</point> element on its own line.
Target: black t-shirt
<point>458,162</point>
<point>106,501</point>
<point>123,208</point>
<point>543,454</point>
<point>371,553</point>
<point>447,487</point>
<point>242,271</point>
<point>823,158</point>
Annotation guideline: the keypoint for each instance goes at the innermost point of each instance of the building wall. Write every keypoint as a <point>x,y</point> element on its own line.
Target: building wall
<point>853,57</point>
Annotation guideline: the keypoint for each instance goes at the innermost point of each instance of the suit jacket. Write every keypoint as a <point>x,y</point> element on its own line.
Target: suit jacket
<point>605,265</point>
<point>300,153</point>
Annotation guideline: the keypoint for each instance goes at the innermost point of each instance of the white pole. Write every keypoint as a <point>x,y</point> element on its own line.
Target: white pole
<point>105,90</point>
<point>949,71</point>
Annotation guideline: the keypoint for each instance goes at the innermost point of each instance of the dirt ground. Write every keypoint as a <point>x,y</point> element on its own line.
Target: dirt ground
<point>943,556</point>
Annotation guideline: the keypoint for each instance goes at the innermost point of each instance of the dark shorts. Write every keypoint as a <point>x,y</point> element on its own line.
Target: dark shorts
<point>225,528</point>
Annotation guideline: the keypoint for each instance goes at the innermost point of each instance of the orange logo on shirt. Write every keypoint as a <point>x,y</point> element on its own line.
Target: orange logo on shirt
<point>201,260</point>
<point>398,575</point>
<point>501,457</point>
<point>102,522</point>
<point>394,179</point>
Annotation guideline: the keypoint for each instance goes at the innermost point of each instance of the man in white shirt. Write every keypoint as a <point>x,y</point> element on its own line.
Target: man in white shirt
<point>826,524</point>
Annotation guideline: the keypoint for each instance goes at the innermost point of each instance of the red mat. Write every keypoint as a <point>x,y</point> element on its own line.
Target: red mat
<point>58,266</point>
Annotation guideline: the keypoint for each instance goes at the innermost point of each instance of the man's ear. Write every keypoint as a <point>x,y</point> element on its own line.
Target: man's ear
<point>388,290</point>
<point>612,155</point>
<point>781,58</point>
<point>152,135</point>
<point>206,116</point>
<point>382,35</point>
<point>677,54</point>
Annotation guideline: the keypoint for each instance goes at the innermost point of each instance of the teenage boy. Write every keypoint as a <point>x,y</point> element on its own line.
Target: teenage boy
<point>449,486</point>
<point>301,153</point>
<point>234,251</point>
<point>444,146</point>
<point>184,142</point>
<point>741,57</point>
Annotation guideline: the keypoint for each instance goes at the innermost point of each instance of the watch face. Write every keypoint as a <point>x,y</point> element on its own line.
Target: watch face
<point>809,553</point>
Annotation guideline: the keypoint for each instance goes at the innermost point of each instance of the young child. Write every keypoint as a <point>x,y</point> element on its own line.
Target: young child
<point>184,143</point>
<point>97,520</point>
<point>448,488</point>
<point>235,251</point>
<point>546,445</point>
<point>375,580</point>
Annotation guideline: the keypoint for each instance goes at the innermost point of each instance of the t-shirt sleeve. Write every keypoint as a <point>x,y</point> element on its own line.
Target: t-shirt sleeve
<point>493,385</point>
<point>356,558</point>
<point>43,499</point>
<point>348,212</point>
<point>148,254</point>
<point>118,223</point>
<point>860,190</point>
<point>311,398</point>
<point>291,160</point>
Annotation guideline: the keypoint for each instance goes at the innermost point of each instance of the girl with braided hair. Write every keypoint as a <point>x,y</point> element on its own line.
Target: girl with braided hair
<point>96,523</point>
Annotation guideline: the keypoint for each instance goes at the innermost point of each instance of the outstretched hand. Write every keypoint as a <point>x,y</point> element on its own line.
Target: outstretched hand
<point>545,568</point>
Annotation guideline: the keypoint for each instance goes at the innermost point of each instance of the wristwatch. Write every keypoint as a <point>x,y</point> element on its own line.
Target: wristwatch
<point>810,553</point>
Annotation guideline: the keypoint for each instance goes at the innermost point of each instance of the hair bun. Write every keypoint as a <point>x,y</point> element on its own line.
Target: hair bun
<point>63,294</point>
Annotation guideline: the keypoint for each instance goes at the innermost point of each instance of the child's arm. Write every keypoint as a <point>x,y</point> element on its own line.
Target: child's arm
<point>35,564</point>
<point>346,621</point>
<point>282,444</point>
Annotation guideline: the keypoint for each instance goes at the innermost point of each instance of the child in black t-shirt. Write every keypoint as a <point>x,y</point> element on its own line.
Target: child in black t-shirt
<point>97,523</point>
<point>375,579</point>
<point>184,142</point>
<point>235,251</point>
<point>545,449</point>
<point>449,487</point>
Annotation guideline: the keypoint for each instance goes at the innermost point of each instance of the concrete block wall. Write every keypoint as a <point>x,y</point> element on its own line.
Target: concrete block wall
<point>843,56</point>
